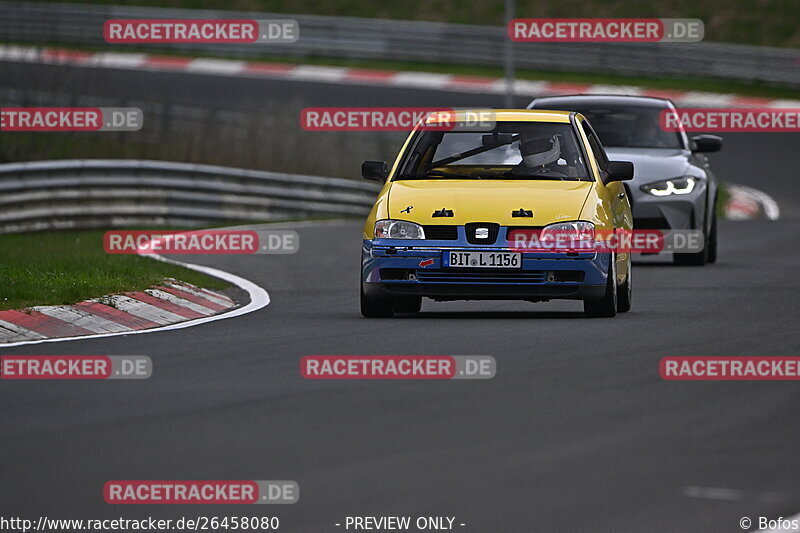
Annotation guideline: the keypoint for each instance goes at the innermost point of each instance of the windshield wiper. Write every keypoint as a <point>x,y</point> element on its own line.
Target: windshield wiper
<point>442,174</point>
<point>438,174</point>
<point>541,176</point>
<point>546,176</point>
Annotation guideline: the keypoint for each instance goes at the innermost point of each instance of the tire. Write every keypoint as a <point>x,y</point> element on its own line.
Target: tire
<point>408,305</point>
<point>712,240</point>
<point>709,252</point>
<point>625,292</point>
<point>376,308</point>
<point>698,259</point>
<point>606,307</point>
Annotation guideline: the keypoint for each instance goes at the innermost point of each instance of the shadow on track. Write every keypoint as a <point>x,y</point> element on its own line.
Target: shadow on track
<point>482,315</point>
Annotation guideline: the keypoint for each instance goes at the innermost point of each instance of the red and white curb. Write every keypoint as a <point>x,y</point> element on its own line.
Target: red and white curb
<point>746,203</point>
<point>345,75</point>
<point>171,305</point>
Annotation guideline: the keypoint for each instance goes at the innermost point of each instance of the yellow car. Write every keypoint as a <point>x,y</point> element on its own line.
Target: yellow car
<point>461,204</point>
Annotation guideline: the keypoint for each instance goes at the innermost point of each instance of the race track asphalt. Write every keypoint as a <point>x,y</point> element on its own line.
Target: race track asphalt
<point>577,432</point>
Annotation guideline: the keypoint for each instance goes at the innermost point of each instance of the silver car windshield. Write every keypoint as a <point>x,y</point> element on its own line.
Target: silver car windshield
<point>629,126</point>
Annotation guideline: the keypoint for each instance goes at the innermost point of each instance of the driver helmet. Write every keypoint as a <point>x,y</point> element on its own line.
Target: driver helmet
<point>537,151</point>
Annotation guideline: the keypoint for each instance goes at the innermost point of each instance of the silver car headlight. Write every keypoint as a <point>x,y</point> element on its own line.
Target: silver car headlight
<point>398,229</point>
<point>682,185</point>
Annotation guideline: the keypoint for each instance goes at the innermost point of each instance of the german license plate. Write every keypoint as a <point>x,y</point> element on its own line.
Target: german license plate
<point>459,259</point>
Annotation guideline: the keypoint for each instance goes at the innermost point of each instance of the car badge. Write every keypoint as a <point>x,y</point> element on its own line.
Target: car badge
<point>426,262</point>
<point>407,209</point>
<point>481,233</point>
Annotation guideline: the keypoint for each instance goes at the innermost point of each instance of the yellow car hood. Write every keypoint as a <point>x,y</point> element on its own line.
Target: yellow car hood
<point>488,200</point>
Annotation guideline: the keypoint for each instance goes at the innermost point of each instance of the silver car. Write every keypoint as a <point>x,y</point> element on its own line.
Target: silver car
<point>673,186</point>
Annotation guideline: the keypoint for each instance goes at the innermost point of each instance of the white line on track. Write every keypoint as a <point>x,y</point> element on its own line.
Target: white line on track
<point>314,72</point>
<point>118,60</point>
<point>421,79</point>
<point>258,298</point>
<point>713,493</point>
<point>216,66</point>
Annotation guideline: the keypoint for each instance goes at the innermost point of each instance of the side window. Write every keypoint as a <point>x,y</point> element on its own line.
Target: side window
<point>594,143</point>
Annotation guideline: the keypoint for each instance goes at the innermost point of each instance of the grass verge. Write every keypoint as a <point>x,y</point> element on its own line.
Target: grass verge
<point>65,267</point>
<point>763,22</point>
<point>723,196</point>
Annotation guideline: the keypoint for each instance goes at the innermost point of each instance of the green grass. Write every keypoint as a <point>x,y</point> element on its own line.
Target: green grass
<point>723,196</point>
<point>52,268</point>
<point>761,22</point>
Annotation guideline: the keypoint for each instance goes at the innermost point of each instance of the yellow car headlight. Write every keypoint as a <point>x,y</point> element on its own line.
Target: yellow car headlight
<point>398,229</point>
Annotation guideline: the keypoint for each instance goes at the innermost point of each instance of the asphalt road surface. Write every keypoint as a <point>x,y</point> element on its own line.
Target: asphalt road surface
<point>577,432</point>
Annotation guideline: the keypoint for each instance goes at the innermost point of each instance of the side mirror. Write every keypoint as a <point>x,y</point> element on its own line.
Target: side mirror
<point>706,143</point>
<point>374,170</point>
<point>619,171</point>
<point>497,139</point>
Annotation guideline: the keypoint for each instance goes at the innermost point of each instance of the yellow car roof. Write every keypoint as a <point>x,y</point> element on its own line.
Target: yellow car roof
<point>499,115</point>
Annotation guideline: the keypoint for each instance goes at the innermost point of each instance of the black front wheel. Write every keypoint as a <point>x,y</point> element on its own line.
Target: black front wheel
<point>606,307</point>
<point>625,293</point>
<point>376,308</point>
<point>408,305</point>
<point>709,252</point>
<point>711,243</point>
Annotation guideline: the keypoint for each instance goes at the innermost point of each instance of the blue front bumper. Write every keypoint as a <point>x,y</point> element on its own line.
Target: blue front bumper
<point>396,268</point>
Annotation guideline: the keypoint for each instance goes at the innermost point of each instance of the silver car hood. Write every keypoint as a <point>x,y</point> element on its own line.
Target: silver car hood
<point>652,164</point>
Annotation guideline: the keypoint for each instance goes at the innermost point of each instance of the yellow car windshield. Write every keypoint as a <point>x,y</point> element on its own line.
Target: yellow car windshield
<point>514,150</point>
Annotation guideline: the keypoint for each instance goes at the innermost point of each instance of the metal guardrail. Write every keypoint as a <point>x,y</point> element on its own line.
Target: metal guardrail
<point>357,38</point>
<point>97,193</point>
